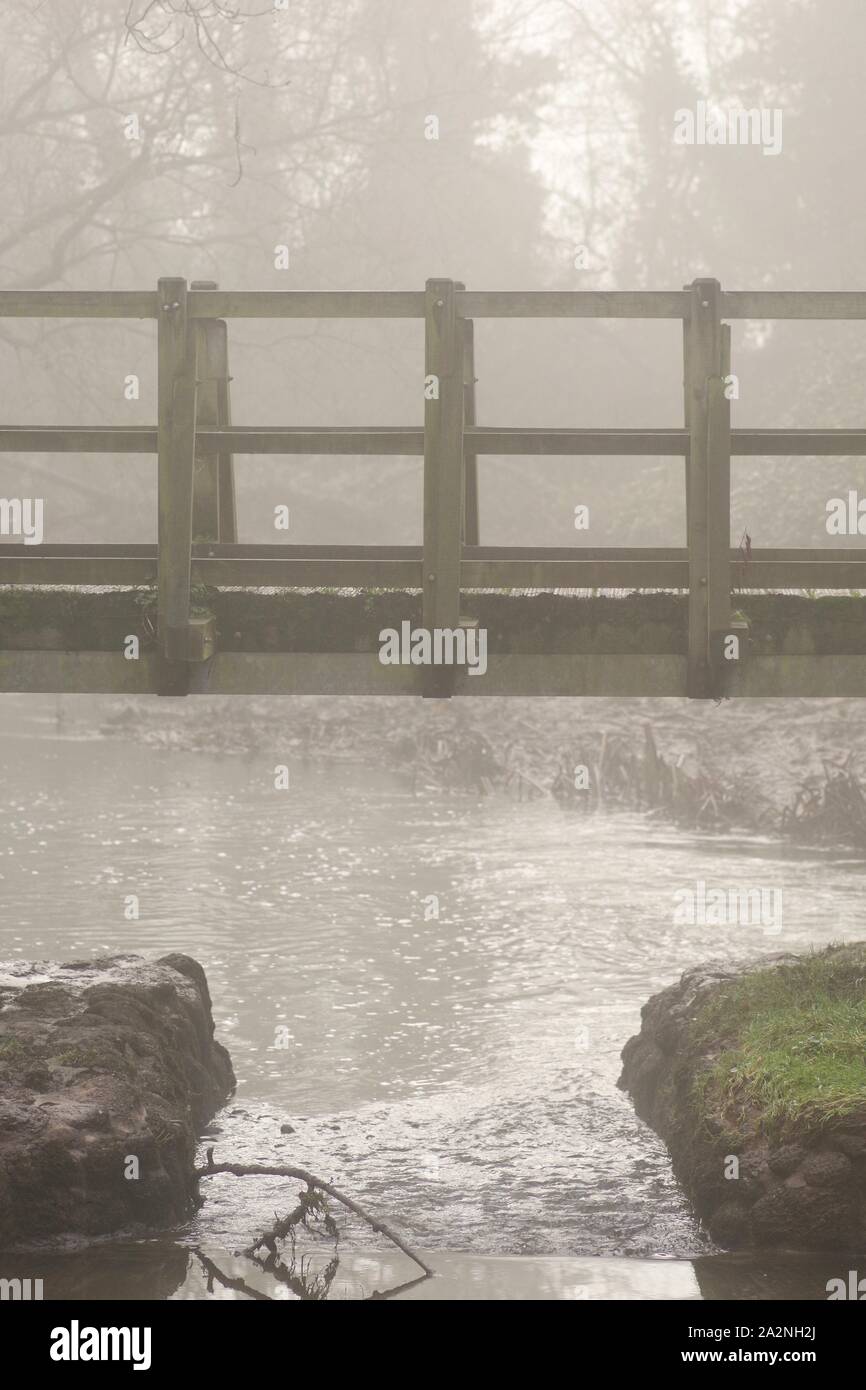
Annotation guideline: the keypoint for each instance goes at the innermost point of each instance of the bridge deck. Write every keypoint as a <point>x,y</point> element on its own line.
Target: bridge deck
<point>302,641</point>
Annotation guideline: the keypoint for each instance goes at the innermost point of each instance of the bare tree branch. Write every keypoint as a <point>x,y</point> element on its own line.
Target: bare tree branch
<point>245,1170</point>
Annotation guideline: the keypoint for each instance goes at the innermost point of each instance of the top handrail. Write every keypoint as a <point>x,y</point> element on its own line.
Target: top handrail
<point>375,304</point>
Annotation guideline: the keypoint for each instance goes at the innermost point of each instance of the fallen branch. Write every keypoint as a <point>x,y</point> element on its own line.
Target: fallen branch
<point>252,1170</point>
<point>213,1272</point>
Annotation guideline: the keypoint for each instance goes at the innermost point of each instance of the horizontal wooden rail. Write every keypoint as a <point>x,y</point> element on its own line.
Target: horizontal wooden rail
<point>74,439</point>
<point>793,304</point>
<point>374,304</point>
<point>326,440</point>
<point>302,304</point>
<point>79,304</point>
<point>399,567</point>
<point>396,567</point>
<point>409,441</point>
<point>816,443</point>
<point>485,439</point>
<point>572,304</point>
<point>76,569</point>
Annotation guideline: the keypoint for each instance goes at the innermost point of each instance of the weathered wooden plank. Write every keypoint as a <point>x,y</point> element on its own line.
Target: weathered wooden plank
<point>787,677</point>
<point>82,673</point>
<point>91,304</point>
<point>177,404</point>
<point>228,506</point>
<point>824,554</point>
<point>301,673</point>
<point>580,304</point>
<point>487,439</point>
<point>210,342</point>
<point>819,443</point>
<point>342,673</point>
<point>668,304</point>
<point>443,470</point>
<point>313,440</point>
<point>400,566</point>
<point>470,458</point>
<point>798,574</point>
<point>68,548</point>
<point>704,349</point>
<point>76,569</point>
<point>483,439</point>
<point>719,508</point>
<point>409,441</point>
<point>574,574</point>
<point>687,409</point>
<point>793,304</point>
<point>66,439</point>
<point>582,552</point>
<point>308,552</point>
<point>314,574</point>
<point>311,673</point>
<point>304,304</point>
<point>214,509</point>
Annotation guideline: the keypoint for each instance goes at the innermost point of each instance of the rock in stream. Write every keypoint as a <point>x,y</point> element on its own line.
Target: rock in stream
<point>755,1078</point>
<point>108,1071</point>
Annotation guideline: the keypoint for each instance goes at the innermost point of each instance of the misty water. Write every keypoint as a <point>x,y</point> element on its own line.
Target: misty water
<point>456,1073</point>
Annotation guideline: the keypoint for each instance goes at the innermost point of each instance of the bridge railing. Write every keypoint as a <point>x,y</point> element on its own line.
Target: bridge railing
<point>194,442</point>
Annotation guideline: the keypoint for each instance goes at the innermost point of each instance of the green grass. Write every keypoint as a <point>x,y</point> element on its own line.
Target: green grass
<point>83,1057</point>
<point>788,1046</point>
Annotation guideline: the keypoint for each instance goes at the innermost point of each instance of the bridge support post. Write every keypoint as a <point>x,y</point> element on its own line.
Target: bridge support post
<point>719,518</point>
<point>214,508</point>
<point>703,362</point>
<point>471,528</point>
<point>176,345</point>
<point>443,471</point>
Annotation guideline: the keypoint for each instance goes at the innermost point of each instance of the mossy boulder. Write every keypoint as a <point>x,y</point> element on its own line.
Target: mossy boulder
<point>108,1070</point>
<point>755,1077</point>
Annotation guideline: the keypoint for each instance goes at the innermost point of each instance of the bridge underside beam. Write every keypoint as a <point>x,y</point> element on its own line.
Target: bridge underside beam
<point>346,673</point>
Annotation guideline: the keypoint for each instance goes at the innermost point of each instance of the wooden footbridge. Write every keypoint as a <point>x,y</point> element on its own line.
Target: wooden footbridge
<point>211,614</point>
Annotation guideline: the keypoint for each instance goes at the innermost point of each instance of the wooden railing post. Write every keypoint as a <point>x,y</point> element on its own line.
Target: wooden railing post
<point>214,510</point>
<point>703,361</point>
<point>471,527</point>
<point>209,340</point>
<point>443,470</point>
<point>719,514</point>
<point>176,346</point>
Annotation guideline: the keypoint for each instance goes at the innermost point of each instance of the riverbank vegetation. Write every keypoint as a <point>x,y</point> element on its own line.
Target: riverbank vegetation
<point>794,1043</point>
<point>794,769</point>
<point>755,1077</point>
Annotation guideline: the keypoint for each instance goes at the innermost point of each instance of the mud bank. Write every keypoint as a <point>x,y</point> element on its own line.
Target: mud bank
<point>756,1081</point>
<point>108,1070</point>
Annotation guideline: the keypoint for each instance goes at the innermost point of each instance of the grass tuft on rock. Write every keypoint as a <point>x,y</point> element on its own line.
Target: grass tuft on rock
<point>786,1046</point>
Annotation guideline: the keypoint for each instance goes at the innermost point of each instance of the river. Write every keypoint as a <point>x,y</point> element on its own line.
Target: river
<point>432,990</point>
